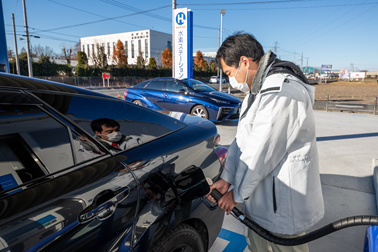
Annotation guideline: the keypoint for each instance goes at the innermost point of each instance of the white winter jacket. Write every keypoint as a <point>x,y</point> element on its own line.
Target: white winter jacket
<point>273,161</point>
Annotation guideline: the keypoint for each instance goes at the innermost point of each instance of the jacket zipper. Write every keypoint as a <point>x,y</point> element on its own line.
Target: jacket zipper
<point>274,196</point>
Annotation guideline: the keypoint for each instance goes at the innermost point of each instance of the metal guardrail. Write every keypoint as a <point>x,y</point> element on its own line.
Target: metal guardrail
<point>328,105</point>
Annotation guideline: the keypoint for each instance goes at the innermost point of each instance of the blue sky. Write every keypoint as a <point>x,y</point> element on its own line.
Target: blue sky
<point>334,32</point>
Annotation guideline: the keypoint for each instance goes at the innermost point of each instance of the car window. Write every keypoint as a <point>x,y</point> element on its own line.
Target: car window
<point>118,125</point>
<point>198,86</point>
<point>141,85</point>
<point>33,144</point>
<point>156,85</point>
<point>174,86</point>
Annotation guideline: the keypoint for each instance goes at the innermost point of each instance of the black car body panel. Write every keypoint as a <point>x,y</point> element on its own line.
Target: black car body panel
<point>66,197</point>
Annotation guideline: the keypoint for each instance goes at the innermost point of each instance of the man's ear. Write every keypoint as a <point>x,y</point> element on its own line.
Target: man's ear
<point>98,133</point>
<point>244,61</point>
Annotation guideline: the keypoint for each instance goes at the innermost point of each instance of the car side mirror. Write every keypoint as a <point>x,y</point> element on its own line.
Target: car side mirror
<point>183,91</point>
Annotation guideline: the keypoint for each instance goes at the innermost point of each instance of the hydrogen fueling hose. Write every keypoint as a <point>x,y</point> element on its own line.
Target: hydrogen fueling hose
<point>330,228</point>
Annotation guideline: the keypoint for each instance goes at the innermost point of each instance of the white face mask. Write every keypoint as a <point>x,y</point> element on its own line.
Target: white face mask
<point>243,87</point>
<point>114,137</point>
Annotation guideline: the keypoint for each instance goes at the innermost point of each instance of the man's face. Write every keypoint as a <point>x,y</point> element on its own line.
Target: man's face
<point>106,131</point>
<point>245,64</point>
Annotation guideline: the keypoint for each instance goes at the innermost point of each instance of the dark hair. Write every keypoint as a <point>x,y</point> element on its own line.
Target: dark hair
<point>96,125</point>
<point>235,46</point>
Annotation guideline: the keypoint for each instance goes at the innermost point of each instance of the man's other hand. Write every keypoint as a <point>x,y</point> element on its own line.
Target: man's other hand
<point>227,202</point>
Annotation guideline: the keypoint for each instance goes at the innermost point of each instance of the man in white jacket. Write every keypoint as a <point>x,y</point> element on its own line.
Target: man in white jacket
<point>273,161</point>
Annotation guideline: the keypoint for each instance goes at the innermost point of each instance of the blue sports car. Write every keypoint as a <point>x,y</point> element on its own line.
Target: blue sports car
<point>188,95</point>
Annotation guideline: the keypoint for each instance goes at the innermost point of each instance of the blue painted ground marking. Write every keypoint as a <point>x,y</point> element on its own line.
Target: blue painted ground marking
<point>237,241</point>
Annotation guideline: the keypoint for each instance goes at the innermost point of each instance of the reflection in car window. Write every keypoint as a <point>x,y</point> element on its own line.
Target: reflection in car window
<point>33,144</point>
<point>198,85</point>
<point>118,125</point>
<point>141,85</point>
<point>174,86</point>
<point>156,85</point>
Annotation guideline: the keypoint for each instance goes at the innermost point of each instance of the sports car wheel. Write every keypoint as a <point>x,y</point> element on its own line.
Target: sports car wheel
<point>137,102</point>
<point>183,238</point>
<point>200,111</point>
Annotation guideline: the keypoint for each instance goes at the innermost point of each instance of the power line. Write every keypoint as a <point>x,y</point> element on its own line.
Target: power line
<point>130,8</point>
<point>106,19</point>
<point>96,14</point>
<point>240,3</point>
<point>301,7</point>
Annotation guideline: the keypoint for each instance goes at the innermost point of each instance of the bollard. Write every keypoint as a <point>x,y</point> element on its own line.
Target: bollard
<point>327,103</point>
<point>375,105</point>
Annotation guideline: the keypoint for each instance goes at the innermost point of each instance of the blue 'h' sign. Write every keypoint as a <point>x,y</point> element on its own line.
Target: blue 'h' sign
<point>180,18</point>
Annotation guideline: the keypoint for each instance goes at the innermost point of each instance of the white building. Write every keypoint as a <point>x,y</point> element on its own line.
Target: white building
<point>147,43</point>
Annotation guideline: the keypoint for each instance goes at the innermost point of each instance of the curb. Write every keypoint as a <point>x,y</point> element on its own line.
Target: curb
<point>374,166</point>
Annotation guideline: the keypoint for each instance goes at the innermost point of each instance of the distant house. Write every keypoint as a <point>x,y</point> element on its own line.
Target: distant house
<point>372,74</point>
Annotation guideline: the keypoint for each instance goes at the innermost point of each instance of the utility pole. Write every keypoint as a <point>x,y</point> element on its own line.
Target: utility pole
<point>302,62</point>
<point>294,57</point>
<point>218,45</point>
<point>222,12</point>
<point>15,46</point>
<point>275,48</point>
<point>30,68</point>
<point>173,37</point>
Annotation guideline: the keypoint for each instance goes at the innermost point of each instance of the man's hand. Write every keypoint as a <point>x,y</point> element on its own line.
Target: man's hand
<point>227,202</point>
<point>221,185</point>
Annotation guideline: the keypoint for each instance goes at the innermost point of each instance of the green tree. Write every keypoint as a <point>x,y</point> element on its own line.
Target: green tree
<point>205,66</point>
<point>213,67</point>
<point>46,67</point>
<point>152,63</point>
<point>82,59</point>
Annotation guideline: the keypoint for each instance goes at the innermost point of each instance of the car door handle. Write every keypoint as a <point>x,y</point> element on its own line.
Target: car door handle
<point>103,210</point>
<point>144,92</point>
<point>165,95</point>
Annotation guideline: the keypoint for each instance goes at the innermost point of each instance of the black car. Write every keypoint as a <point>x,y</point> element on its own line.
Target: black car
<point>66,186</point>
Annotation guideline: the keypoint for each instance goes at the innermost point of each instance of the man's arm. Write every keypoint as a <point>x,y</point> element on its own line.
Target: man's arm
<point>276,125</point>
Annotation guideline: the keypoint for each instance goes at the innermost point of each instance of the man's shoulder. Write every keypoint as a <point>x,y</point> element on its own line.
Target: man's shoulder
<point>273,83</point>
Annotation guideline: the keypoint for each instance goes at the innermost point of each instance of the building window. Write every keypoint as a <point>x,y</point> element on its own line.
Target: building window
<point>108,49</point>
<point>83,48</point>
<point>126,50</point>
<point>139,47</point>
<point>169,45</point>
<point>146,47</point>
<point>132,48</point>
<point>114,46</point>
<point>93,50</point>
<point>88,49</point>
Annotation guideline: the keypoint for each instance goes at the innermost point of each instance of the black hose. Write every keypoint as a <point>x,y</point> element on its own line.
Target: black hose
<point>330,228</point>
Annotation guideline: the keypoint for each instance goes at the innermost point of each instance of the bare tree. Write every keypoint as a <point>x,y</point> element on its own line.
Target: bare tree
<point>76,49</point>
<point>67,52</point>
<point>98,57</point>
<point>38,51</point>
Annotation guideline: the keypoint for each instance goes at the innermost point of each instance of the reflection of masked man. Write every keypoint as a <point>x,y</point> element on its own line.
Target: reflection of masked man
<point>108,133</point>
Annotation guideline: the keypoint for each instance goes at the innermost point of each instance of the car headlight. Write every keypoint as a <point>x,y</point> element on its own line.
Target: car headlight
<point>220,101</point>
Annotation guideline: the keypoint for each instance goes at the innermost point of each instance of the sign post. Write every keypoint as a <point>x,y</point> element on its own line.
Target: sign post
<point>105,76</point>
<point>183,50</point>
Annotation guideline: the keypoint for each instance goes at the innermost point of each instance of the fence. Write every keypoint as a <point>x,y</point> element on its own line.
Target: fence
<point>97,82</point>
<point>324,103</point>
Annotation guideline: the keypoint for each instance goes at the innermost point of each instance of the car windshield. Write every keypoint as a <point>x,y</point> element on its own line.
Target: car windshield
<point>198,86</point>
